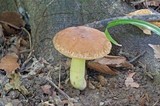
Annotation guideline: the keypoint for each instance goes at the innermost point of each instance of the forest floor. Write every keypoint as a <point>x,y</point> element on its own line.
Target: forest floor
<point>29,81</point>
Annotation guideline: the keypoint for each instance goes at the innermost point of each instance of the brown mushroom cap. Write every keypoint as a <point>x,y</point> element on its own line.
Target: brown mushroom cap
<point>82,42</point>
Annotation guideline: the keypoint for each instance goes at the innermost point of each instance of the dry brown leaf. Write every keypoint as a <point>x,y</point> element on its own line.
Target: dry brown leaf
<point>152,2</point>
<point>156,49</point>
<point>15,83</point>
<point>90,85</point>
<point>47,103</point>
<point>140,12</point>
<point>100,68</point>
<point>145,12</point>
<point>130,82</point>
<point>12,18</point>
<point>114,61</point>
<point>9,63</point>
<point>157,23</point>
<point>144,99</point>
<point>46,89</point>
<point>102,80</point>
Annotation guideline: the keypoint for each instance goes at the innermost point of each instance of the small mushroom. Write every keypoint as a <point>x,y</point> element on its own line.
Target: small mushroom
<point>81,43</point>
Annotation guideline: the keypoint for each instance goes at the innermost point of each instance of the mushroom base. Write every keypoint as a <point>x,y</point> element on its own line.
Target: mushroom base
<point>77,73</point>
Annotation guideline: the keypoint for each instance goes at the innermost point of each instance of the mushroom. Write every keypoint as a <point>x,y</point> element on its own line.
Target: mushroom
<point>81,43</point>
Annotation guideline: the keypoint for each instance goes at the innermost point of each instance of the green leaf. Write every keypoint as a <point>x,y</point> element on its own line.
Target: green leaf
<point>135,22</point>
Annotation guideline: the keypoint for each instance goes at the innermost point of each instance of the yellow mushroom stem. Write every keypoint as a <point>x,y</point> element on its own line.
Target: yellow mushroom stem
<point>77,73</point>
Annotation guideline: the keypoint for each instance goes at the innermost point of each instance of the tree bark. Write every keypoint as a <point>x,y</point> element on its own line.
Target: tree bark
<point>47,17</point>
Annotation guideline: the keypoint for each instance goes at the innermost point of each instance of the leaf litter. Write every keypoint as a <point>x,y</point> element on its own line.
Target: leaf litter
<point>9,63</point>
<point>145,12</point>
<point>156,49</point>
<point>34,67</point>
<point>108,63</point>
<point>129,82</point>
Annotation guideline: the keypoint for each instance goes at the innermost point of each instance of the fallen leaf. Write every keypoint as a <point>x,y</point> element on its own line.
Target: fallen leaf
<point>114,61</point>
<point>102,64</point>
<point>15,83</point>
<point>9,63</point>
<point>102,80</point>
<point>35,67</point>
<point>9,104</point>
<point>47,103</point>
<point>69,103</point>
<point>144,12</point>
<point>152,2</point>
<point>157,23</point>
<point>144,99</point>
<point>140,12</point>
<point>11,22</point>
<point>46,89</point>
<point>101,68</point>
<point>156,49</point>
<point>90,85</point>
<point>130,82</point>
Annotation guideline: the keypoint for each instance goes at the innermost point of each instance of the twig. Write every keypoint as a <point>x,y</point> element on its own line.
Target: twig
<point>103,23</point>
<point>16,27</point>
<point>25,51</point>
<point>24,64</point>
<point>137,57</point>
<point>155,103</point>
<point>29,35</point>
<point>54,85</point>
<point>59,82</point>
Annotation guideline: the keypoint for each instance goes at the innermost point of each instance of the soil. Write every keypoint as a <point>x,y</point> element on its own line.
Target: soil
<point>102,90</point>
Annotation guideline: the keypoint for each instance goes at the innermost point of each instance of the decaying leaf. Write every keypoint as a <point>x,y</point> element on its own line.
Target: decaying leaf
<point>156,49</point>
<point>101,68</point>
<point>114,61</point>
<point>9,63</point>
<point>102,80</point>
<point>152,2</point>
<point>90,85</point>
<point>130,82</point>
<point>47,103</point>
<point>36,66</point>
<point>145,12</point>
<point>140,12</point>
<point>102,64</point>
<point>11,22</point>
<point>15,83</point>
<point>144,99</point>
<point>46,89</point>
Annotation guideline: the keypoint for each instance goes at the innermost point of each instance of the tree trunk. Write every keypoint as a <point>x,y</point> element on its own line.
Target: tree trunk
<point>49,16</point>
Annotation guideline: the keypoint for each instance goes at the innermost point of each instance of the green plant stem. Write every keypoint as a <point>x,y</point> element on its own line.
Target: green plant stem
<point>77,73</point>
<point>135,22</point>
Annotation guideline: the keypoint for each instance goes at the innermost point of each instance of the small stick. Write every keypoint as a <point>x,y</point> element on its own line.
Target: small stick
<point>54,85</point>
<point>155,103</point>
<point>24,64</point>
<point>30,38</point>
<point>137,57</point>
<point>4,22</point>
<point>103,23</point>
<point>59,84</point>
